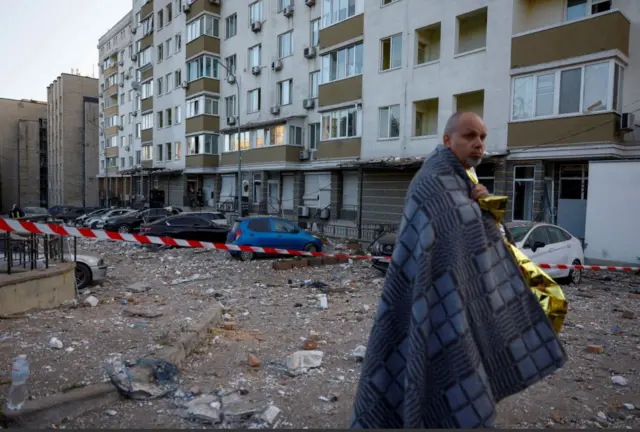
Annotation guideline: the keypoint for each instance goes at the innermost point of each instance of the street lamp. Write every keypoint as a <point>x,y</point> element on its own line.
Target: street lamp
<point>230,74</point>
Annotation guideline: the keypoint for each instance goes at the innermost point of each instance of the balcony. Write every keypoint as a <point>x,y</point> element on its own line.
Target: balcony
<point>199,6</point>
<point>202,123</point>
<point>564,130</point>
<point>339,148</point>
<point>146,104</point>
<point>146,41</point>
<point>111,131</point>
<point>341,91</point>
<point>146,135</point>
<point>147,164</point>
<point>112,170</point>
<point>343,31</point>
<point>203,44</point>
<point>264,155</point>
<point>146,74</point>
<point>594,34</point>
<point>202,161</point>
<point>111,70</point>
<point>203,84</point>
<point>111,151</point>
<point>146,9</point>
<point>111,111</point>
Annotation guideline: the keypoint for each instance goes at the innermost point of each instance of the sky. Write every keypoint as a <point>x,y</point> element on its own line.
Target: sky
<point>43,38</point>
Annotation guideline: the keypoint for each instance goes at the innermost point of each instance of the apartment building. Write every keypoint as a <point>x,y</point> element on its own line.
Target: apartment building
<point>23,153</point>
<point>72,118</point>
<point>334,103</point>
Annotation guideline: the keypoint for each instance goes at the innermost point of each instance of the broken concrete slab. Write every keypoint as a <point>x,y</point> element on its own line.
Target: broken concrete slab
<point>204,408</point>
<point>141,313</point>
<point>301,361</point>
<point>138,288</point>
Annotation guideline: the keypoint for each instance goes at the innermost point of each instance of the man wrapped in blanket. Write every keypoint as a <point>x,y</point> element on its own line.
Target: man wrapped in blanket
<point>457,328</point>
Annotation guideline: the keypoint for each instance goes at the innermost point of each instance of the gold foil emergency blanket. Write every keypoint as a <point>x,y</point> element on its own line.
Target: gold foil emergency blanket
<point>548,292</point>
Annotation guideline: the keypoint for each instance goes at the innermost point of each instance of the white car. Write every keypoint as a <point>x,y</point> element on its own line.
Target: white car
<point>549,244</point>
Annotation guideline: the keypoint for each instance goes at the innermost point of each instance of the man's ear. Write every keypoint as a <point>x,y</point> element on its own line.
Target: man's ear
<point>446,140</point>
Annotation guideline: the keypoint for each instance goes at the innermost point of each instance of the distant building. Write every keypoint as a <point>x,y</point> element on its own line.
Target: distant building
<point>23,153</point>
<point>73,140</point>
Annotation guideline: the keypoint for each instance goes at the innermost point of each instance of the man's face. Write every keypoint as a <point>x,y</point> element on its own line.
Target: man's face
<point>467,142</point>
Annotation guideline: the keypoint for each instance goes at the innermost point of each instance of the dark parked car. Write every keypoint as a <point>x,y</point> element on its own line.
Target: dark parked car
<point>37,214</point>
<point>186,226</point>
<point>271,232</point>
<point>131,223</point>
<point>383,247</point>
<point>71,215</point>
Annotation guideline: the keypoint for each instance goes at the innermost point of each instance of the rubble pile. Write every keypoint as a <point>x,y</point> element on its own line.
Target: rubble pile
<point>288,351</point>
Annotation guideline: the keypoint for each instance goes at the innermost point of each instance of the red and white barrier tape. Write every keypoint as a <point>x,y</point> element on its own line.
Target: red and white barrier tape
<point>21,226</point>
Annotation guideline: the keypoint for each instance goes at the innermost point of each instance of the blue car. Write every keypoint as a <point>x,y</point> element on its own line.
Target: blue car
<point>270,232</point>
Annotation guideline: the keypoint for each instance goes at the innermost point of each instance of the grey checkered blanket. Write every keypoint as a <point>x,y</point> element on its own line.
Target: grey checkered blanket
<point>457,329</point>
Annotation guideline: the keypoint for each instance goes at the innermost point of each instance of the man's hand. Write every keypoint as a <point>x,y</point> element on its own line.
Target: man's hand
<point>479,191</point>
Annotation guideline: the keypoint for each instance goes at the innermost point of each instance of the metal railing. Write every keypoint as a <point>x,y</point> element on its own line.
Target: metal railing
<point>366,233</point>
<point>23,252</point>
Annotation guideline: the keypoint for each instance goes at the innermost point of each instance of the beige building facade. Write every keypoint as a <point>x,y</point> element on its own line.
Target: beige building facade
<point>73,137</point>
<point>23,153</point>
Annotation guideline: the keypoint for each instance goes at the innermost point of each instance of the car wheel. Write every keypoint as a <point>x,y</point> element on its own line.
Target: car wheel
<point>124,229</point>
<point>83,275</point>
<point>310,247</point>
<point>246,256</point>
<point>575,276</point>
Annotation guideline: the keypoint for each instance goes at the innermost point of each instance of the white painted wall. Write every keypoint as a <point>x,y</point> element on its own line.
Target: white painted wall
<point>488,70</point>
<point>295,67</point>
<point>613,206</point>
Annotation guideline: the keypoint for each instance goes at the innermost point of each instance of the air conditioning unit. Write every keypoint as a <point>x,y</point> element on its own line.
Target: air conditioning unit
<point>245,188</point>
<point>121,84</point>
<point>101,94</point>
<point>135,85</point>
<point>231,79</point>
<point>134,30</point>
<point>627,122</point>
<point>288,11</point>
<point>101,133</point>
<point>304,154</point>
<point>231,120</point>
<point>324,213</point>
<point>256,26</point>
<point>275,110</point>
<point>310,3</point>
<point>127,76</point>
<point>120,127</point>
<point>185,85</point>
<point>256,70</point>
<point>303,211</point>
<point>310,52</point>
<point>127,148</point>
<point>121,63</point>
<point>308,103</point>
<point>276,65</point>
<point>101,114</point>
<point>215,2</point>
<point>134,113</point>
<point>134,57</point>
<point>186,7</point>
<point>313,155</point>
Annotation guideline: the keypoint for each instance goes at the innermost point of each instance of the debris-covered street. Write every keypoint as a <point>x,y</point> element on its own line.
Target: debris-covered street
<point>250,372</point>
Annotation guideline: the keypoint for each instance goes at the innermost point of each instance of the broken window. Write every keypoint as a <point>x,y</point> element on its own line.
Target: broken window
<point>523,185</point>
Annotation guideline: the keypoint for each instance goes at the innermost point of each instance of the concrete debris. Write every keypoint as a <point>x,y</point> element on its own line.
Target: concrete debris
<point>270,414</point>
<point>138,287</point>
<point>619,381</point>
<point>628,406</point>
<point>300,362</point>
<point>358,353</point>
<point>91,301</point>
<point>204,408</point>
<point>55,343</point>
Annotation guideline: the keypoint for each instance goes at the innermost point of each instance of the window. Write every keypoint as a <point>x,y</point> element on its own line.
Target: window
<point>177,7</point>
<point>388,2</point>
<point>470,102</point>
<point>340,124</point>
<point>314,80</point>
<point>147,121</point>
<point>202,144</point>
<point>231,65</point>
<point>178,43</point>
<point>159,86</point>
<point>349,190</point>
<point>147,153</point>
<point>167,48</point>
<point>160,116</point>
<point>147,26</point>
<point>177,114</point>
<point>123,141</point>
<point>255,12</point>
<point>315,33</point>
<point>146,89</point>
<point>206,25</point>
<point>426,117</point>
<point>523,182</point>
<point>428,44</point>
<point>231,27</point>
<point>389,122</point>
<point>334,11</point>
<point>284,92</point>
<point>169,13</point>
<point>285,44</point>
<point>160,19</point>
<point>177,151</point>
<point>167,83</point>
<point>259,225</point>
<point>138,130</point>
<point>159,152</point>
<point>577,9</point>
<point>202,105</point>
<point>230,106</point>
<point>122,162</point>
<point>168,120</point>
<point>168,152</point>
<point>130,140</point>
<point>343,63</point>
<point>130,161</point>
<point>486,175</point>
<point>391,52</point>
<point>472,31</point>
<point>283,226</point>
<point>177,78</point>
<point>138,156</point>
<point>205,66</point>
<point>314,135</point>
<point>111,162</point>
<point>254,55</point>
<point>582,89</point>
<point>257,189</point>
<point>253,101</point>
<point>144,57</point>
<point>295,135</point>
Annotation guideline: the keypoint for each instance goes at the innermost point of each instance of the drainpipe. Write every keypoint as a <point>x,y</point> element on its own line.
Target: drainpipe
<point>85,101</point>
<point>18,148</point>
<point>360,181</point>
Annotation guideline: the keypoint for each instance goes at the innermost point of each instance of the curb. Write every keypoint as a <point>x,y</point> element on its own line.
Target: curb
<point>41,413</point>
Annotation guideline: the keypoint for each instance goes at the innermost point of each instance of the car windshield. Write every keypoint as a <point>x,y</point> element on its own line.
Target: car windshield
<point>519,232</point>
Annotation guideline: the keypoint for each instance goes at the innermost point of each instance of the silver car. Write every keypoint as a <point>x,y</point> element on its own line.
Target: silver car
<point>98,221</point>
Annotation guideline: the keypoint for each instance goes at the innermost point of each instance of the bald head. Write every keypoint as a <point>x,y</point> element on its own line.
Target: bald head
<point>464,134</point>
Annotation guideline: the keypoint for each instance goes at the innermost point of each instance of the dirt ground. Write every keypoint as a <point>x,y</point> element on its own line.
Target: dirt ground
<point>275,313</point>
